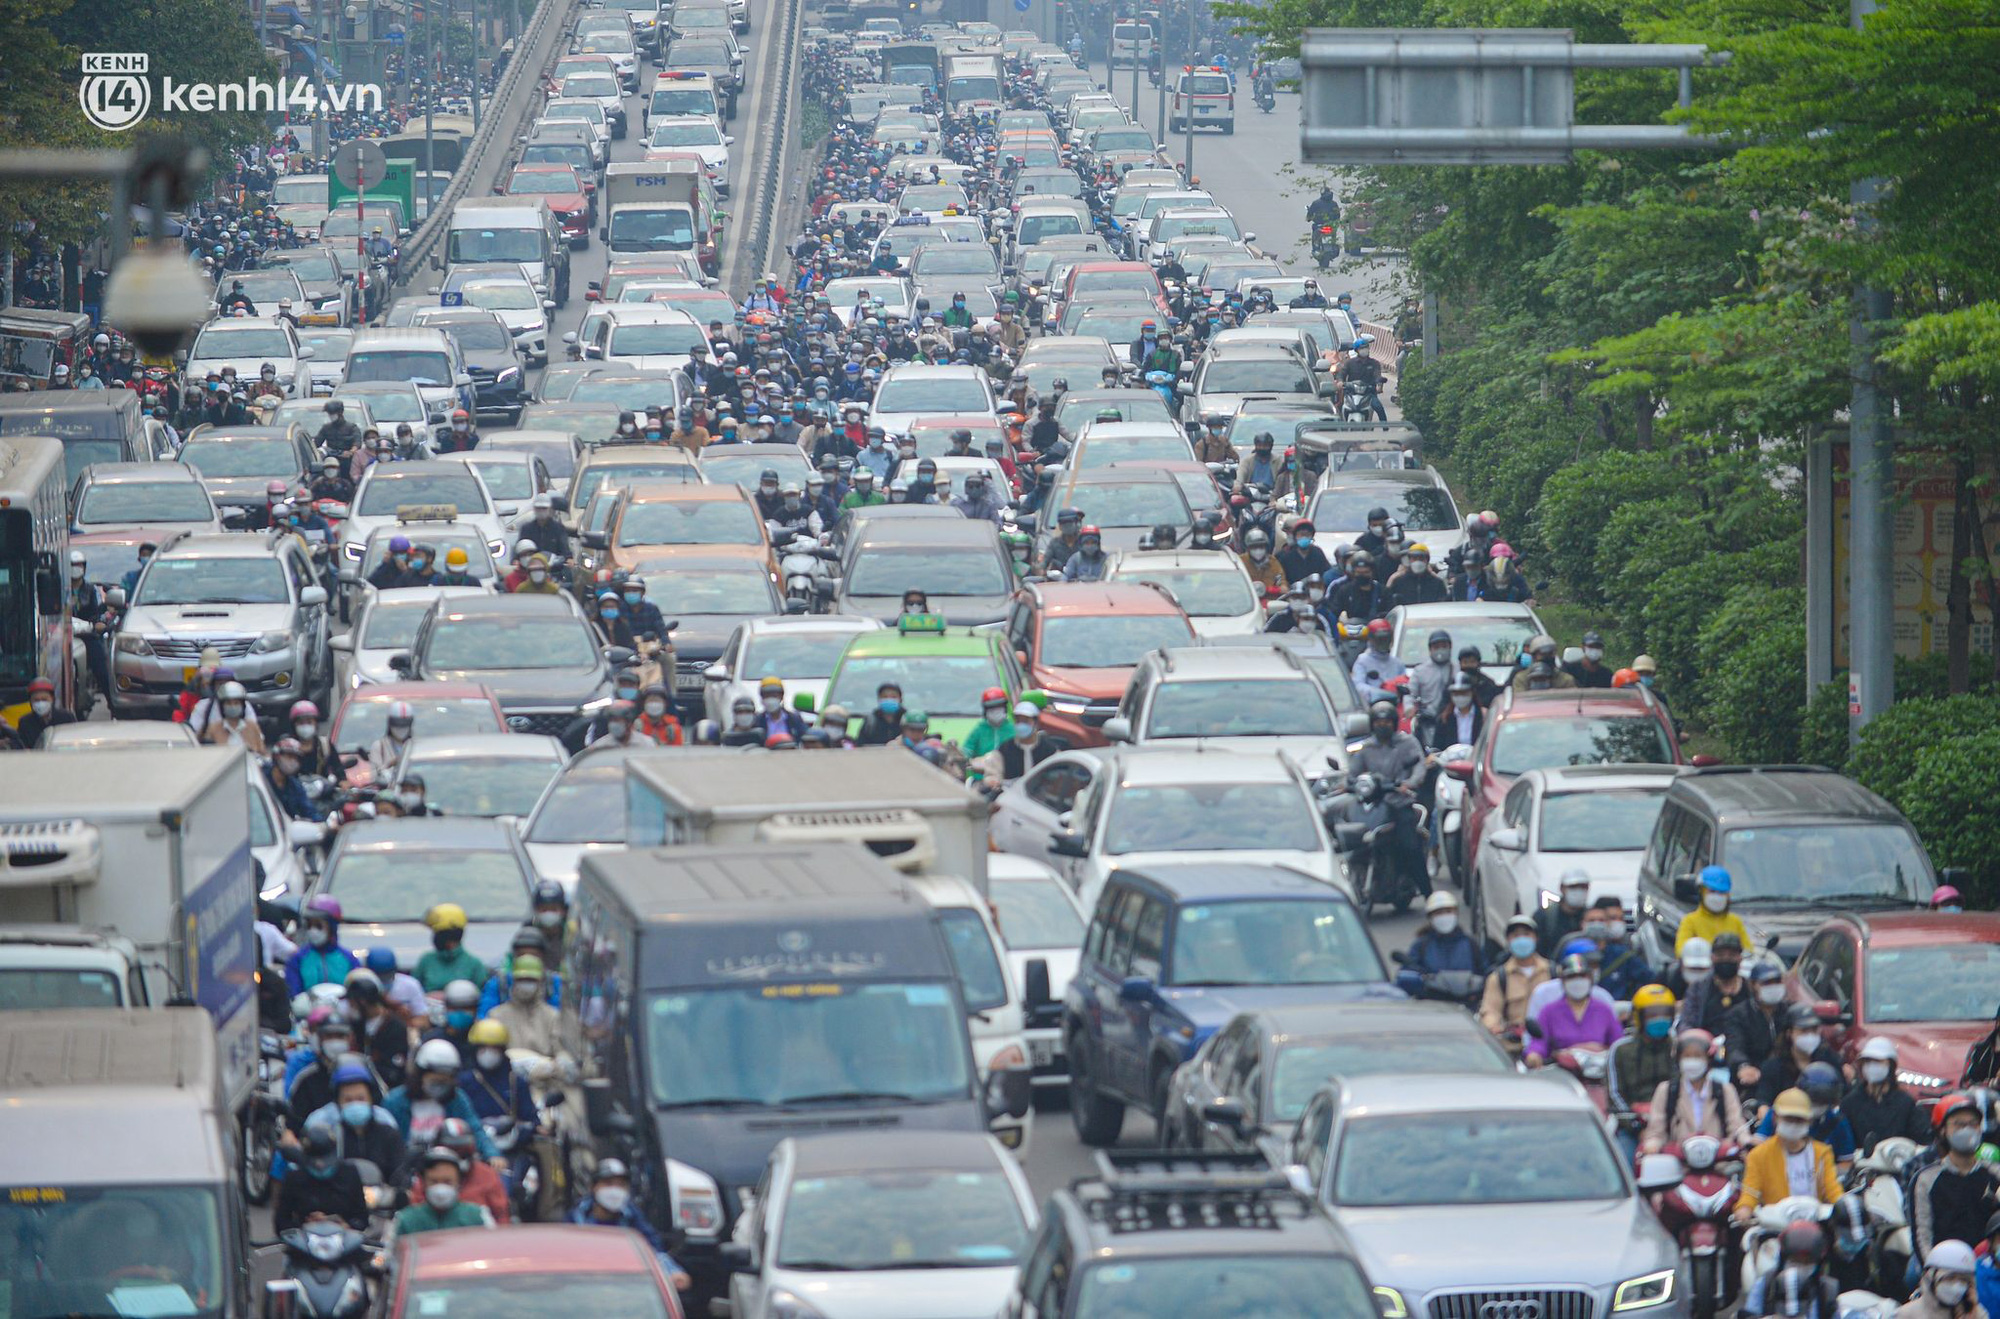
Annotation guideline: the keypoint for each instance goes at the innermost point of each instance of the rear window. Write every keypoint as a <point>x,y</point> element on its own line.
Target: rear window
<point>1208,84</point>
<point>1541,743</point>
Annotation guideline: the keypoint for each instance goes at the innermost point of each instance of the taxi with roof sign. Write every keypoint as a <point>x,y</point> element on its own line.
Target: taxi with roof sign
<point>943,671</point>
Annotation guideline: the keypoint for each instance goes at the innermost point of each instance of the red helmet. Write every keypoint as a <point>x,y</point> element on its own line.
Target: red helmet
<point>460,414</point>
<point>1378,627</point>
<point>992,696</point>
<point>1501,550</point>
<point>41,685</point>
<point>1090,529</point>
<point>1956,1102</point>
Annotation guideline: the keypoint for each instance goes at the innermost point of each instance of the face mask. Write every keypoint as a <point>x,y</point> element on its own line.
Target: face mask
<point>1024,729</point>
<point>410,801</point>
<point>1645,680</point>
<point>1593,653</point>
<point>1952,1292</point>
<point>537,576</point>
<point>232,710</point>
<point>744,718</point>
<point>458,1021</point>
<point>1806,1042</point>
<point>527,991</point>
<point>334,1048</point>
<point>1259,554</point>
<point>1445,922</point>
<point>625,693</point>
<point>288,764</point>
<point>1950,911</point>
<point>400,732</point>
<point>490,1059</point>
<point>437,1089</point>
<point>1715,902</point>
<point>1575,895</point>
<point>40,708</point>
<point>1596,929</point>
<point>356,1114</point>
<point>1770,995</point>
<point>1462,700</point>
<point>1522,946</point>
<point>1577,988</point>
<point>1794,1128</point>
<point>441,1196</point>
<point>1874,1073</point>
<point>612,1199</point>
<point>773,704</point>
<point>656,708</point>
<point>548,920</point>
<point>889,705</point>
<point>1420,565</point>
<point>306,730</point>
<point>1305,542</point>
<point>1964,1140</point>
<point>1694,974</point>
<point>317,937</point>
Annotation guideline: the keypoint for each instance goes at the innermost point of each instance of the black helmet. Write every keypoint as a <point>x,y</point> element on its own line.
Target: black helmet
<point>1378,710</point>
<point>548,893</point>
<point>1362,559</point>
<point>1822,1083</point>
<point>1802,1017</point>
<point>1439,637</point>
<point>1378,515</point>
<point>322,1151</point>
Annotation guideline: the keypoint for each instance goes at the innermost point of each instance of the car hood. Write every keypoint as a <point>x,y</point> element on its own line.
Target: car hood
<point>1323,866</point>
<point>1610,872</point>
<point>1093,684</point>
<point>1932,1048</point>
<point>731,1145</point>
<point>1228,625</point>
<point>561,861</point>
<point>652,361</point>
<point>1209,1007</point>
<point>1795,922</point>
<point>902,1294</point>
<point>1309,752</point>
<point>220,620</point>
<point>246,367</point>
<point>1226,403</point>
<point>241,489</point>
<point>409,940</point>
<point>1596,1243</point>
<point>703,636</point>
<point>526,687</point>
<point>958,610</point>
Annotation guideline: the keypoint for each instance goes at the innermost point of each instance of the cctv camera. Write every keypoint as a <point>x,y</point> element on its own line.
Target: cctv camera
<point>157,300</point>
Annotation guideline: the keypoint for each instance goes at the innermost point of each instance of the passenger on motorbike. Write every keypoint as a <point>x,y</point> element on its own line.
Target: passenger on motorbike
<point>1799,1287</point>
<point>1089,562</point>
<point>1946,1288</point>
<point>1792,1164</point>
<point>1801,1046</point>
<point>1822,1083</point>
<point>320,1185</point>
<point>461,1010</point>
<point>609,1204</point>
<point>381,1035</point>
<point>1377,666</point>
<point>1641,1063</point>
<point>1752,1027</point>
<point>448,959</point>
<point>1501,579</point>
<point>1951,1190</point>
<point>404,995</point>
<point>321,961</point>
<point>530,1021</point>
<point>357,1121</point>
<point>311,1086</point>
<point>1696,1099</point>
<point>1440,946</point>
<point>1620,969</point>
<point>482,1184</point>
<point>443,1173</point>
<point>1877,1107</point>
<point>385,753</point>
<point>283,775</point>
<point>1579,1017</point>
<point>1358,597</point>
<point>1301,558</point>
<point>1503,1007</point>
<point>491,1085</point>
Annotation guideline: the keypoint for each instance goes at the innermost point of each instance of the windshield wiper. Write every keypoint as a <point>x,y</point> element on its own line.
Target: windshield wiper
<point>852,1096</point>
<point>718,1101</point>
<point>819,1266</point>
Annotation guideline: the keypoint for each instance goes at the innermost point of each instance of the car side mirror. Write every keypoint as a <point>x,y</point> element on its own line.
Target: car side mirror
<point>1118,729</point>
<point>596,540</point>
<point>1069,844</point>
<point>305,353</point>
<point>1035,988</point>
<point>559,503</point>
<point>619,656</point>
<point>716,673</point>
<point>1508,839</point>
<point>312,596</point>
<point>399,663</point>
<point>344,643</point>
<point>1686,891</point>
<point>1459,769</point>
<point>1356,723</point>
<point>1135,989</point>
<point>1226,1112</point>
<point>1010,1092</point>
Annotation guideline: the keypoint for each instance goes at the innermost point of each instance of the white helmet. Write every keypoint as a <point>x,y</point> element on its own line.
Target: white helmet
<point>437,1056</point>
<point>1879,1048</point>
<point>1951,1257</point>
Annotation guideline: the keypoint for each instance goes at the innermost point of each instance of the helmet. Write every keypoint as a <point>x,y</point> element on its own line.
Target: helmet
<point>1800,1016</point>
<point>382,961</point>
<point>1715,879</point>
<point>992,696</point>
<point>351,1071</point>
<point>438,1154</point>
<point>1879,1048</point>
<point>1090,530</point>
<point>436,1056</point>
<point>1803,1239</point>
<point>1957,1102</point>
<point>1501,550</point>
<point>1440,901</point>
<point>1950,1257</point>
<point>323,906</point>
<point>455,558</point>
<point>399,544</point>
<point>400,712</point>
<point>487,1031</point>
<point>1576,964</point>
<point>1255,538</point>
<point>549,893</point>
<point>609,1168</point>
<point>231,691</point>
<point>461,994</point>
<point>445,916</point>
<point>1652,996</point>
<point>363,986</point>
<point>304,710</point>
<point>455,1134</point>
<point>1378,627</point>
<point>1822,1083</point>
<point>1381,710</point>
<point>322,1151</point>
<point>1624,678</point>
<point>1696,1036</point>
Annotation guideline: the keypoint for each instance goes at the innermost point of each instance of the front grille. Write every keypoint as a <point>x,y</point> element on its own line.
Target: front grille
<point>688,674</point>
<point>227,647</point>
<point>1525,1303</point>
<point>553,723</point>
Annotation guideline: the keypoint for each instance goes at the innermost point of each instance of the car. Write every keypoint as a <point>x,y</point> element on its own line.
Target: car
<point>425,358</point>
<point>329,345</point>
<point>558,451</point>
<point>706,596</point>
<point>696,133</point>
<point>168,496</point>
<point>537,654</point>
<point>385,625</point>
<point>386,873</point>
<point>1225,377</point>
<point>492,358</point>
<point>438,708</point>
<point>116,733</point>
<point>595,422</point>
<point>1174,951</point>
<point>1244,1089</point>
<point>800,651</point>
<point>1800,843</point>
<point>513,479</point>
<point>1922,980</point>
<point>1593,818</point>
<point>1124,504</point>
<point>255,598</point>
<point>402,494</point>
<point>1042,925</point>
<point>524,312</point>
<point>1082,405</point>
<point>1517,1174</point>
<point>1418,501</point>
<point>621,465</point>
<point>1541,730</point>
<point>1211,587</point>
<point>473,775</point>
<point>389,403</point>
<point>329,294</point>
<point>634,337</point>
<point>1080,642</point>
<point>1168,805</point>
<point>960,564</point>
<point>604,87</point>
<point>892,291</point>
<point>570,819</point>
<point>950,1225</point>
<point>909,390</point>
<point>942,670</point>
<point>246,343</point>
<point>743,465</point>
<point>601,1270</point>
<point>1499,630</point>
<point>238,463</point>
<point>656,520</point>
<point>1102,444</point>
<point>1237,698</point>
<point>1164,1233</point>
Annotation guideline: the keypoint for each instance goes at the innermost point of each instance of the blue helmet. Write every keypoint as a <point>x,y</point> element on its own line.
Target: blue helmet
<point>1715,879</point>
<point>1578,947</point>
<point>382,961</point>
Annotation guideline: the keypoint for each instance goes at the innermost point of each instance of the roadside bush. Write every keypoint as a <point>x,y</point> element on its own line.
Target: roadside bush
<point>1823,735</point>
<point>1751,654</point>
<point>1949,797</point>
<point>1578,502</point>
<point>1886,758</point>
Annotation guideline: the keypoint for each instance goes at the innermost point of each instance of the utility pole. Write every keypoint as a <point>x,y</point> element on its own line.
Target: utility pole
<point>428,87</point>
<point>475,65</point>
<point>1871,642</point>
<point>1187,110</point>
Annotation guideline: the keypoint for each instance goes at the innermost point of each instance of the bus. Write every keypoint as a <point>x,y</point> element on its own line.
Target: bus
<point>34,547</point>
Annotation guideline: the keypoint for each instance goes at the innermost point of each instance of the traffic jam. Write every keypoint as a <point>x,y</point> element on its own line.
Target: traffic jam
<point>1228,894</point>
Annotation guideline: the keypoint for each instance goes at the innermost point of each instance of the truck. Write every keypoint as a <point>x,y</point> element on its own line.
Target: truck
<point>119,1187</point>
<point>132,878</point>
<point>912,64</point>
<point>894,804</point>
<point>658,206</point>
<point>974,83</point>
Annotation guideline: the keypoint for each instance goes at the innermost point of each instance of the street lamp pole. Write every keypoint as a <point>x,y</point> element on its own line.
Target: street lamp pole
<point>475,65</point>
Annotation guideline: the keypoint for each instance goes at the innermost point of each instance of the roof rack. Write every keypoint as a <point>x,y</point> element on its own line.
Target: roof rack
<point>1165,1172</point>
<point>1711,770</point>
<point>1154,1191</point>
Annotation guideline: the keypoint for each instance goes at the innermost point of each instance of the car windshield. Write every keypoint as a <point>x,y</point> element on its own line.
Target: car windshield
<point>1825,862</point>
<point>663,228</point>
<point>1210,817</point>
<point>1104,450</point>
<point>416,366</point>
<point>623,474</point>
<point>1301,1068</point>
<point>441,542</point>
<point>510,643</point>
<point>1201,593</point>
<point>1599,821</point>
<point>392,625</point>
<point>792,1044</point>
<point>689,522</point>
<point>399,405</point>
<point>388,490</point>
<point>1108,641</point>
<point>704,134</point>
<point>1236,707</point>
<point>727,592</point>
<point>110,1250</point>
<point>933,571</point>
<point>1499,639</point>
<point>401,883</point>
<point>476,334</point>
<point>1194,226</point>
<point>573,812</point>
<point>1073,411</point>
<point>33,989</point>
<point>1522,744</point>
<point>902,1218</point>
<point>1255,375</point>
<point>1417,507</point>
<point>508,480</point>
<point>679,339</point>
<point>1273,942</point>
<point>219,459</point>
<point>470,785</point>
<point>144,501</point>
<point>1119,327</point>
<point>502,296</point>
<point>1133,504</point>
<point>1037,913</point>
<point>794,654</point>
<point>536,1295</point>
<point>939,685</point>
<point>467,245</point>
<point>1265,1285</point>
<point>1453,1158</point>
<point>248,341</point>
<point>600,85</point>
<point>529,181</point>
<point>953,259</point>
<point>945,394</point>
<point>364,719</point>
<point>217,581</point>
<point>1952,982</point>
<point>556,455</point>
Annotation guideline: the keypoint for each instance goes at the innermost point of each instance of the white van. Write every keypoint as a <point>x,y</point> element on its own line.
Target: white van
<point>522,229</point>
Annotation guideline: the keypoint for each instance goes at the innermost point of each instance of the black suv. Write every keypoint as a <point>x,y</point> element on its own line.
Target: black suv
<point>1176,1233</point>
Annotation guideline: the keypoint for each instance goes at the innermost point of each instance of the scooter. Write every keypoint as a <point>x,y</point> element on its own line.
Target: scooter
<point>1448,796</point>
<point>327,1267</point>
<point>1325,245</point>
<point>1697,1212</point>
<point>1267,99</point>
<point>1363,832</point>
<point>1877,1177</point>
<point>1357,401</point>
<point>1590,1064</point>
<point>263,1118</point>
<point>1760,1243</point>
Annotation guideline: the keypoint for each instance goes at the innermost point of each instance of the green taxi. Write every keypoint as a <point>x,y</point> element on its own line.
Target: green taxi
<point>942,670</point>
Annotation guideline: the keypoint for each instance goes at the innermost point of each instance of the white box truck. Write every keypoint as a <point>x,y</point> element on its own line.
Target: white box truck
<point>657,206</point>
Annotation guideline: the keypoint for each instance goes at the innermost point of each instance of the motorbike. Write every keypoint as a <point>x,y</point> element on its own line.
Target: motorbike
<point>803,577</point>
<point>1449,798</point>
<point>1697,1213</point>
<point>1363,827</point>
<point>1325,245</point>
<point>1590,1064</point>
<point>1357,401</point>
<point>1760,1242</point>
<point>1877,1178</point>
<point>1461,987</point>
<point>327,1267</point>
<point>263,1117</point>
<point>1266,97</point>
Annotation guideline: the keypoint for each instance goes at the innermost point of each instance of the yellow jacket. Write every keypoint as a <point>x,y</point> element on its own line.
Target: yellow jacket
<point>1701,923</point>
<point>1764,1179</point>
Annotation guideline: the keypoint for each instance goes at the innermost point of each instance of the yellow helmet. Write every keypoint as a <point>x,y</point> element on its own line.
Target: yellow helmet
<point>487,1032</point>
<point>1652,996</point>
<point>445,916</point>
<point>455,559</point>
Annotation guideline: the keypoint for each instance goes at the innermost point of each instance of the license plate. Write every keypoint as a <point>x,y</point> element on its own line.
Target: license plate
<point>687,682</point>
<point>1041,1052</point>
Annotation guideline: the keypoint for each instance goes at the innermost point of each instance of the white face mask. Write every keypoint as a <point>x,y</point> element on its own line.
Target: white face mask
<point>1951,1292</point>
<point>1577,988</point>
<point>1715,902</point>
<point>441,1196</point>
<point>1462,700</point>
<point>772,705</point>
<point>1024,729</point>
<point>1794,1128</point>
<point>656,708</point>
<point>613,1199</point>
<point>41,708</point>
<point>1694,1068</point>
<point>744,718</point>
<point>1576,896</point>
<point>996,717</point>
<point>1806,1042</point>
<point>1875,1073</point>
<point>1445,922</point>
<point>490,1059</point>
<point>306,731</point>
<point>1593,653</point>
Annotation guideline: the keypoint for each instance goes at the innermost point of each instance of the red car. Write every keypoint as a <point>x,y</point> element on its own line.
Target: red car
<point>1543,730</point>
<point>562,188</point>
<point>439,707</point>
<point>1925,981</point>
<point>546,1268</point>
<point>1080,641</point>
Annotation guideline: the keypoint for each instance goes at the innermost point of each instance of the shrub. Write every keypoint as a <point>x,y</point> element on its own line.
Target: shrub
<point>1750,655</point>
<point>1823,735</point>
<point>1949,797</point>
<point>1885,760</point>
<point>1578,502</point>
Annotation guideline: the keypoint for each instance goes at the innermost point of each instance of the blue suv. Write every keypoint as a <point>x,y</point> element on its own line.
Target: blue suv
<point>1174,951</point>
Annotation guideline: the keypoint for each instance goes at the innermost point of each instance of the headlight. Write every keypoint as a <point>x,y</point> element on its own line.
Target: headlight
<point>497,548</point>
<point>353,549</point>
<point>696,1203</point>
<point>1068,704</point>
<point>271,641</point>
<point>1389,1303</point>
<point>1547,899</point>
<point>511,373</point>
<point>330,304</point>
<point>1643,1292</point>
<point>129,643</point>
<point>788,1305</point>
<point>1923,1080</point>
<point>601,703</point>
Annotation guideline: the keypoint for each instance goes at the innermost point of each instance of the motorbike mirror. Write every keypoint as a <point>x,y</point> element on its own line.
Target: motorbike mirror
<point>303,833</point>
<point>620,656</point>
<point>1226,1112</point>
<point>797,607</point>
<point>1459,769</point>
<point>1136,989</point>
<point>1532,1027</point>
<point>399,663</point>
<point>1398,956</point>
<point>1069,844</point>
<point>1035,990</point>
<point>1685,890</point>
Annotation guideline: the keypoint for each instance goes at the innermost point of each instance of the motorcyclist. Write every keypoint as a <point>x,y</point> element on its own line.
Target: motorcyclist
<point>1501,579</point>
<point>1069,525</point>
<point>657,719</point>
<point>320,959</point>
<point>1641,1063</point>
<point>316,751</point>
<point>385,753</point>
<point>1541,650</point>
<point>743,730</point>
<point>313,1086</point>
<point>1766,1169</point>
<point>1359,597</point>
<point>462,437</point>
<point>381,1035</point>
<point>1261,467</point>
<point>283,776</point>
<point>1877,1107</point>
<point>527,1014</point>
<point>420,1105</point>
<point>978,503</point>
<point>1323,209</point>
<point>551,537</point>
<point>442,1177</point>
<point>1414,583</point>
<point>539,580</point>
<point>456,561</point>
<point>1377,666</point>
<point>1751,1028</point>
<point>483,1185</point>
<point>394,570</point>
<point>1298,615</point>
<point>319,1186</point>
<point>1799,1286</point>
<point>490,1084</point>
<point>1590,670</point>
<point>448,958</point>
<point>1430,680</point>
<point>1711,915</point>
<point>1361,368</point>
<point>1089,561</point>
<point>1503,1006</point>
<point>1396,760</point>
<point>609,1204</point>
<point>1302,558</point>
<point>1577,1018</point>
<point>1439,946</point>
<point>1945,1289</point>
<point>1697,1099</point>
<point>1266,574</point>
<point>1558,922</point>
<point>1950,1196</point>
<point>41,715</point>
<point>1715,996</point>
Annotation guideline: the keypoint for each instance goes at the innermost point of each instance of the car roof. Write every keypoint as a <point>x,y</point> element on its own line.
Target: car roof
<point>228,433</point>
<point>124,473</point>
<point>1192,663</point>
<point>947,641</point>
<point>1593,702</point>
<point>1365,1017</point>
<point>1442,615</point>
<point>484,746</point>
<point>1198,560</point>
<point>1561,779</point>
<point>1402,1095</point>
<point>1095,599</point>
<point>438,689</point>
<point>1925,929</point>
<point>218,545</point>
<point>1262,350</point>
<point>872,1151</point>
<point>1145,766</point>
<point>680,492</point>
<point>1360,478</point>
<point>482,604</point>
<point>741,560</point>
<point>526,1248</point>
<point>1769,793</point>
<point>452,833</point>
<point>809,623</point>
<point>927,531</point>
<point>1223,881</point>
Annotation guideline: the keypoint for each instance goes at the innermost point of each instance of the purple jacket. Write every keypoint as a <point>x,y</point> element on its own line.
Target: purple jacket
<point>1561,1028</point>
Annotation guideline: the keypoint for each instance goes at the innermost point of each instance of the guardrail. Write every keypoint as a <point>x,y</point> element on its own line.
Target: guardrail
<point>760,232</point>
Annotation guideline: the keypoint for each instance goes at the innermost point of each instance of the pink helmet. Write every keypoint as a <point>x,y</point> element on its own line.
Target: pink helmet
<point>1944,895</point>
<point>1491,518</point>
<point>1502,550</point>
<point>304,710</point>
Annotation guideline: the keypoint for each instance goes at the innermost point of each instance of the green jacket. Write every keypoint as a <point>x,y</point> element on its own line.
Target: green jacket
<point>420,1217</point>
<point>435,970</point>
<point>855,499</point>
<point>985,738</point>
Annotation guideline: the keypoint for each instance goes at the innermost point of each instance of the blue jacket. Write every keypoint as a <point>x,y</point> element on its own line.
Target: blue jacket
<point>498,1094</point>
<point>631,1218</point>
<point>1986,1283</point>
<point>501,983</point>
<point>1445,952</point>
<point>319,966</point>
<point>398,1102</point>
<point>1624,971</point>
